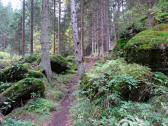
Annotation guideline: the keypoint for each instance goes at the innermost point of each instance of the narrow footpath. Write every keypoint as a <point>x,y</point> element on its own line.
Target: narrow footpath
<point>62,117</point>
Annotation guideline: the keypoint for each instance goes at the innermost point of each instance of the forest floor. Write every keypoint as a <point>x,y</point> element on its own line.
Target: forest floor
<point>62,116</point>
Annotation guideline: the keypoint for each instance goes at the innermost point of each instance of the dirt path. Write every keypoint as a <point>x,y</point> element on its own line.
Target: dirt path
<point>62,117</point>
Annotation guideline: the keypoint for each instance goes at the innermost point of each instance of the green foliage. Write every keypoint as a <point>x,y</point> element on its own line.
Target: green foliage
<point>129,81</point>
<point>121,43</point>
<point>4,86</point>
<point>116,86</point>
<point>31,58</point>
<point>119,82</point>
<point>40,105</point>
<point>71,63</point>
<point>84,111</point>
<point>161,78</point>
<point>12,122</point>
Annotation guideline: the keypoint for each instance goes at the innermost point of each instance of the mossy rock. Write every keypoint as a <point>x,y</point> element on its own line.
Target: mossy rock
<point>13,73</point>
<point>4,86</point>
<point>35,74</point>
<point>59,64</point>
<point>149,48</point>
<point>19,93</point>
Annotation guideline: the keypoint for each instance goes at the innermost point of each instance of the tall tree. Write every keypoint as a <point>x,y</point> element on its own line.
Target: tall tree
<point>77,43</point>
<point>23,29</point>
<point>82,26</point>
<point>54,47</point>
<point>32,25</point>
<point>59,19</point>
<point>150,20</point>
<point>45,50</point>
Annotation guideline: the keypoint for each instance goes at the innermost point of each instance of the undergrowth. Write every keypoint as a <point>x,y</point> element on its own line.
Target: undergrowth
<point>115,93</point>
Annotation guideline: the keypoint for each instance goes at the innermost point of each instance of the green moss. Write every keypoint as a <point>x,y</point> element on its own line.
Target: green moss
<point>13,73</point>
<point>21,91</point>
<point>24,87</point>
<point>35,74</point>
<point>148,39</point>
<point>59,64</point>
<point>149,48</point>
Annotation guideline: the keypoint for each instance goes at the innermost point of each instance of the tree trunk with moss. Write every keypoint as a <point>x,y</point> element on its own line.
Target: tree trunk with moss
<point>45,50</point>
<point>77,43</point>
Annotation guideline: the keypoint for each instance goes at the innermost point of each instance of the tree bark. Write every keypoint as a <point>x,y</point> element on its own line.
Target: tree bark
<point>45,50</point>
<point>150,19</point>
<point>82,27</point>
<point>23,29</point>
<point>59,35</point>
<point>32,25</point>
<point>77,44</point>
<point>54,47</point>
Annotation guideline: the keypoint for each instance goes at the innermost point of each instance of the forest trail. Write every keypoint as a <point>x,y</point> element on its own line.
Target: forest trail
<point>62,117</point>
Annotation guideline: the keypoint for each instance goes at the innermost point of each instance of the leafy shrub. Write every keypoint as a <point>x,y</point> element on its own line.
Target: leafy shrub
<point>128,94</point>
<point>116,76</point>
<point>40,105</point>
<point>161,78</point>
<point>31,58</point>
<point>4,86</point>
<point>12,122</point>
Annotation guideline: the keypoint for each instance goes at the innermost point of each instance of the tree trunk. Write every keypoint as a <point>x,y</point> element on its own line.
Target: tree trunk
<point>54,47</point>
<point>82,27</point>
<point>150,19</point>
<point>77,44</point>
<point>32,25</point>
<point>23,29</point>
<point>59,35</point>
<point>45,50</point>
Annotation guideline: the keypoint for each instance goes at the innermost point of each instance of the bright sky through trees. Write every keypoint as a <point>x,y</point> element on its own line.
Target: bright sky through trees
<point>16,4</point>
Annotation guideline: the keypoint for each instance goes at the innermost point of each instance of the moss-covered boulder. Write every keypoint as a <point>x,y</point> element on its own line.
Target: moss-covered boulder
<point>150,48</point>
<point>19,93</point>
<point>59,64</point>
<point>4,86</point>
<point>35,74</point>
<point>13,73</point>
<point>31,58</point>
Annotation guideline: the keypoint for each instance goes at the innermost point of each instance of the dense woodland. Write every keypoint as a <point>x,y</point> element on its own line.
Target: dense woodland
<point>84,63</point>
